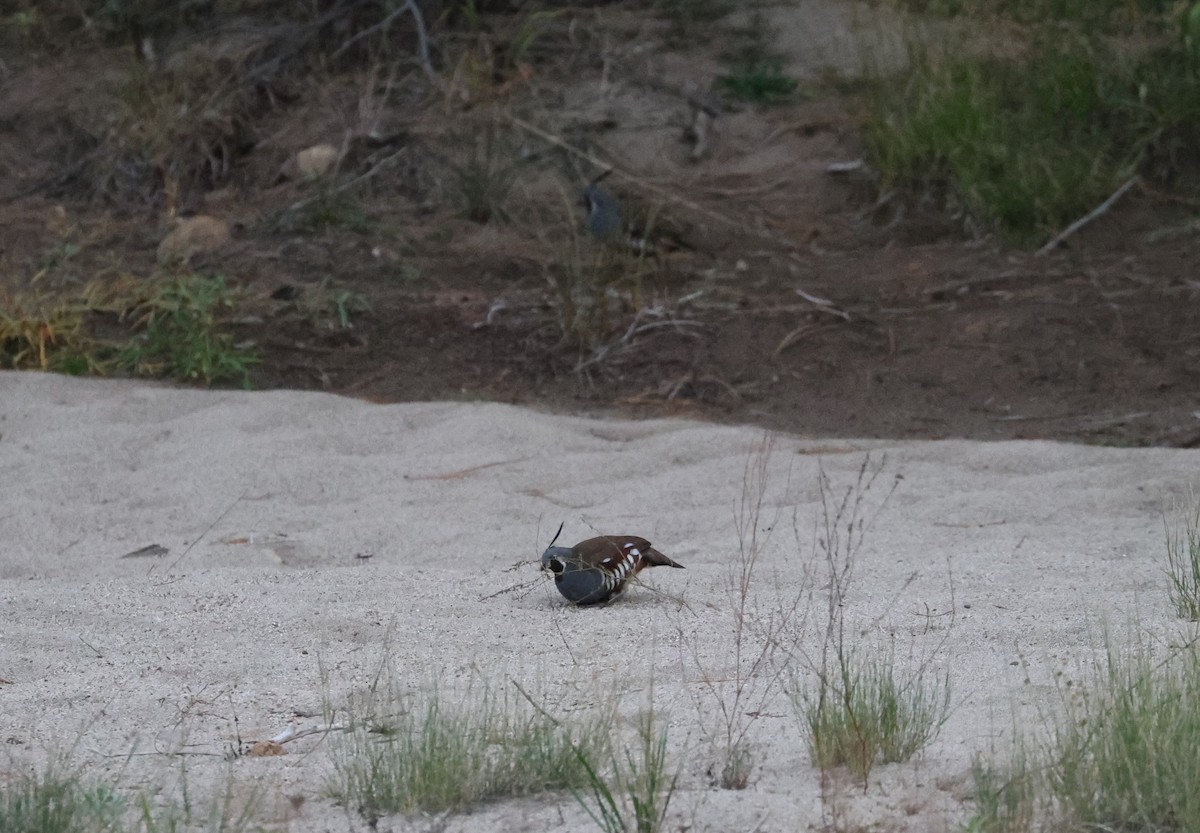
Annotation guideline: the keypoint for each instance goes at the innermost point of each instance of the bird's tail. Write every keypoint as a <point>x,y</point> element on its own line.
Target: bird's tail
<point>654,558</point>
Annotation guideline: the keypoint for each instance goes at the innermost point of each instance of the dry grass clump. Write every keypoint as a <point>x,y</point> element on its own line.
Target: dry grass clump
<point>176,324</point>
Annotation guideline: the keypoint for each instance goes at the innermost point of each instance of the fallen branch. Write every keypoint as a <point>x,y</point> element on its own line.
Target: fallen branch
<point>960,287</point>
<point>422,39</point>
<point>291,733</point>
<point>823,304</point>
<point>1087,218</point>
<point>799,334</point>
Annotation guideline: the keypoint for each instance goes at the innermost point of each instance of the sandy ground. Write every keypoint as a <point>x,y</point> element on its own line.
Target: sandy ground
<point>301,529</point>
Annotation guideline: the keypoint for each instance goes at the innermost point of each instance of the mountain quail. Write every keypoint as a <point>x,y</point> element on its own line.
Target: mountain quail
<point>609,223</point>
<point>603,213</point>
<point>598,569</point>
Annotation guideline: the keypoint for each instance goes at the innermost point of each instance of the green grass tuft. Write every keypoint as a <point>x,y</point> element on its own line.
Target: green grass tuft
<point>182,323</point>
<point>862,712</point>
<point>57,801</point>
<point>1183,565</point>
<point>639,792</point>
<point>1121,754</point>
<point>759,83</point>
<point>1026,145</point>
<point>1125,756</point>
<point>756,68</point>
<point>484,176</point>
<point>435,756</point>
<point>61,800</point>
<point>1005,800</point>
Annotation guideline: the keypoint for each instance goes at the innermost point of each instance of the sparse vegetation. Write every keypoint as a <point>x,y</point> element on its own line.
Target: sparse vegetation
<point>694,21</point>
<point>598,287</point>
<point>197,106</point>
<point>1004,800</point>
<point>330,306</point>
<point>492,56</point>
<point>761,641</point>
<point>179,326</point>
<point>1124,754</point>
<point>176,131</point>
<point>45,331</point>
<point>484,177</point>
<point>1107,14</point>
<point>1120,754</point>
<point>226,812</point>
<point>182,321</point>
<point>761,83</point>
<point>1026,143</point>
<point>864,711</point>
<point>329,209</point>
<point>1183,563</point>
<point>425,753</point>
<point>59,799</point>
<point>861,710</point>
<point>638,794</point>
<point>756,70</point>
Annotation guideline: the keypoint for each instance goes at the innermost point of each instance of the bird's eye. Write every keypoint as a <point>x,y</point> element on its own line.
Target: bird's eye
<point>556,566</point>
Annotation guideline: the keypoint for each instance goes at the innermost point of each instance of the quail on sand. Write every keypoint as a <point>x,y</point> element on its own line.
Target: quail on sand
<point>598,569</point>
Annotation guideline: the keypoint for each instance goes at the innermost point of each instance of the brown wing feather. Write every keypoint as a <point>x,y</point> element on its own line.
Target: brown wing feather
<point>609,549</point>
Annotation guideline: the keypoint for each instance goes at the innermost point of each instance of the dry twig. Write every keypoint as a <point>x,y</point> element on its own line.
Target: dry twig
<point>422,39</point>
<point>1091,215</point>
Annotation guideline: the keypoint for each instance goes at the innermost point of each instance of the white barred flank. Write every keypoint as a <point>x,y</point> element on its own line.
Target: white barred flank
<point>628,565</point>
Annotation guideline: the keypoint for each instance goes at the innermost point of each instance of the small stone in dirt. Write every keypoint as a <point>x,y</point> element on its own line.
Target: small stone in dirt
<point>266,749</point>
<point>192,236</point>
<point>316,161</point>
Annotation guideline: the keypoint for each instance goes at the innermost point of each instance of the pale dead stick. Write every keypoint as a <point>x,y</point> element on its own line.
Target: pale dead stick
<point>454,475</point>
<point>207,530</point>
<point>534,703</point>
<point>290,734</point>
<point>1087,218</point>
<point>800,333</point>
<point>178,753</point>
<point>661,192</point>
<point>748,192</point>
<point>563,637</point>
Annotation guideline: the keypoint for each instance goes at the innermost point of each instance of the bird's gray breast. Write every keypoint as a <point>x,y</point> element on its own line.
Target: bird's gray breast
<point>604,212</point>
<point>578,583</point>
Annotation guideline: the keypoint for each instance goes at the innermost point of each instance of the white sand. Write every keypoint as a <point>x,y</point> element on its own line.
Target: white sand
<point>300,528</point>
